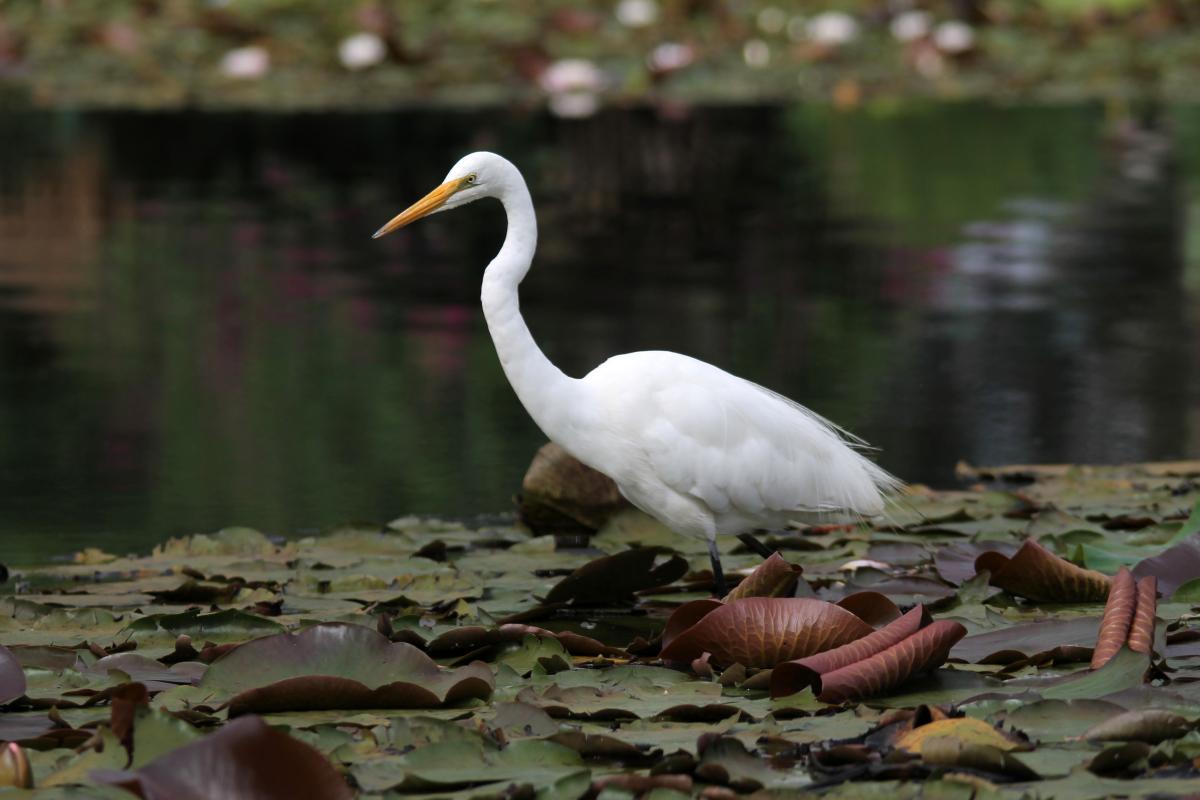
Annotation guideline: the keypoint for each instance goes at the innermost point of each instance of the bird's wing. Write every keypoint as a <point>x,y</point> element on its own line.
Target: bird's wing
<point>742,449</point>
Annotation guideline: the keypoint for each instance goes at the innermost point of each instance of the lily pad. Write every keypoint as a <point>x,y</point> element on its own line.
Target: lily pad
<point>337,665</point>
<point>12,677</point>
<point>1036,573</point>
<point>244,760</point>
<point>614,579</point>
<point>759,631</point>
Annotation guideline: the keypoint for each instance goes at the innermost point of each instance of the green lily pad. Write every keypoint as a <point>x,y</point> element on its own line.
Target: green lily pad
<point>335,665</point>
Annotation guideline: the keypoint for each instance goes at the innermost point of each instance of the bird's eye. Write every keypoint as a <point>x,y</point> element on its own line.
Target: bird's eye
<point>472,178</point>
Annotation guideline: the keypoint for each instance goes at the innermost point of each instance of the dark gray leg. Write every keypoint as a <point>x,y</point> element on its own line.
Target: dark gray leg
<point>754,544</point>
<point>719,587</point>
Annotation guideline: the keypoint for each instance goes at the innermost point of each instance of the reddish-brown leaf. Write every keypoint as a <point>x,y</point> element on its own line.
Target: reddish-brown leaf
<point>245,760</point>
<point>795,675</point>
<point>12,677</point>
<point>1141,632</point>
<point>921,652</point>
<point>775,577</point>
<point>873,608</point>
<point>338,665</point>
<point>1118,615</point>
<point>615,578</point>
<point>761,631</point>
<point>1036,573</point>
<point>687,615</point>
<point>1174,566</point>
<point>125,700</point>
<point>472,637</point>
<point>918,653</point>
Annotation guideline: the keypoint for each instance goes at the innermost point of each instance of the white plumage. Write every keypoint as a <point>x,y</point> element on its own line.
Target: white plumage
<point>699,449</point>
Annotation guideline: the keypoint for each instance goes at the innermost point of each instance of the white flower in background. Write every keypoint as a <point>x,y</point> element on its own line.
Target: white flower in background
<point>832,28</point>
<point>637,13</point>
<point>361,50</point>
<point>954,37</point>
<point>572,75</point>
<point>670,56</point>
<point>772,19</point>
<point>756,53</point>
<point>246,62</point>
<point>573,85</point>
<point>911,25</point>
<point>574,105</point>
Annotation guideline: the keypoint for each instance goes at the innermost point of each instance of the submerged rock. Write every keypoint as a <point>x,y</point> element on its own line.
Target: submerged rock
<point>561,493</point>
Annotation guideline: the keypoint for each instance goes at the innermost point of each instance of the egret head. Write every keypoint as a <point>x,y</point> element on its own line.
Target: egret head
<point>477,175</point>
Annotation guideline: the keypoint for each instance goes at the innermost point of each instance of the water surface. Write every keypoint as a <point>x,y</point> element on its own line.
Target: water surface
<point>196,329</point>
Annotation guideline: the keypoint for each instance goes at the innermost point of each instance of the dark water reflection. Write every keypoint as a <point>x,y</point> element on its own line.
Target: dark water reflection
<point>196,330</point>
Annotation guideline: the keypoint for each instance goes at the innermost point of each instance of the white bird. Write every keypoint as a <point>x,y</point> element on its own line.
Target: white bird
<point>702,451</point>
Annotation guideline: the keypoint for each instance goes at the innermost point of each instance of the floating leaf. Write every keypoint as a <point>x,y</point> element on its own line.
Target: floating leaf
<point>948,751</point>
<point>12,677</point>
<point>873,608</point>
<point>774,577</point>
<point>1017,642</point>
<point>793,676</point>
<point>614,579</point>
<point>337,665</point>
<point>919,652</point>
<point>759,631</point>
<point>1150,725</point>
<point>220,626</point>
<point>468,762</point>
<point>1118,616</point>
<point>245,760</point>
<point>1174,566</point>
<point>965,729</point>
<point>1141,631</point>
<point>470,638</point>
<point>1056,720</point>
<point>1125,670</point>
<point>1036,573</point>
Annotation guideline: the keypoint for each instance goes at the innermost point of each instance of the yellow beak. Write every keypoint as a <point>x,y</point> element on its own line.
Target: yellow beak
<point>422,208</point>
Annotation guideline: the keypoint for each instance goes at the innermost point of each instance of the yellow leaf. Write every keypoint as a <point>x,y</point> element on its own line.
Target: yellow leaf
<point>965,729</point>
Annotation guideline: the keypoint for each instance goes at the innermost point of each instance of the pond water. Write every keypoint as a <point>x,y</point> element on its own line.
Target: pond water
<point>196,329</point>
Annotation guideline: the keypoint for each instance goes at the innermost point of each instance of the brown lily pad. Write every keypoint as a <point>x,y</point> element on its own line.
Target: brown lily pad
<point>472,637</point>
<point>886,658</point>
<point>337,665</point>
<point>614,579</point>
<point>758,631</point>
<point>245,760</point>
<point>12,677</point>
<point>1174,566</point>
<point>1036,573</point>
<point>1141,630</point>
<point>1118,616</point>
<point>774,577</point>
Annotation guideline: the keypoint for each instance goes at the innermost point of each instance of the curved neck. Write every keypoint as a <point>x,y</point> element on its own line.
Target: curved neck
<point>547,394</point>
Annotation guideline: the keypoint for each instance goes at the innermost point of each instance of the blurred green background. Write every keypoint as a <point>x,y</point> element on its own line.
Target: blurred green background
<point>872,208</point>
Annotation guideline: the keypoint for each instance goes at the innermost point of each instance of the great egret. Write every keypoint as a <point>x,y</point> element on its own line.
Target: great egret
<point>700,450</point>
